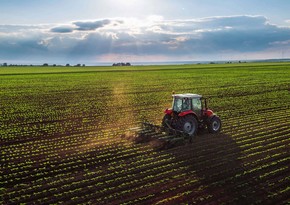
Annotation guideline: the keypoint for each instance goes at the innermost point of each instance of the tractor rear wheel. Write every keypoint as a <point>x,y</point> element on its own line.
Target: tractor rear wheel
<point>214,125</point>
<point>188,124</point>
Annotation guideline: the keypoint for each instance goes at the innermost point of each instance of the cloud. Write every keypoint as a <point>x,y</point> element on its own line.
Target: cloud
<point>14,47</point>
<point>90,26</point>
<point>19,28</point>
<point>62,29</point>
<point>238,22</point>
<point>85,26</point>
<point>206,38</point>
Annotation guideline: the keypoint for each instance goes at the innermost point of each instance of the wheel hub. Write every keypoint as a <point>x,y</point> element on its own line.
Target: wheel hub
<point>188,127</point>
<point>215,126</point>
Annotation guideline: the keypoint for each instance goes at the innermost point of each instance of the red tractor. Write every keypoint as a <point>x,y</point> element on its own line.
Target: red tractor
<point>189,113</point>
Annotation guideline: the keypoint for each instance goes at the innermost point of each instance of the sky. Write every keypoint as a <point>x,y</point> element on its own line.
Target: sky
<point>95,31</point>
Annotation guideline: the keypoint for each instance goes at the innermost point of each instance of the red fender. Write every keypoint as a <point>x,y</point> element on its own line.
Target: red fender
<point>168,111</point>
<point>186,113</point>
<point>208,113</point>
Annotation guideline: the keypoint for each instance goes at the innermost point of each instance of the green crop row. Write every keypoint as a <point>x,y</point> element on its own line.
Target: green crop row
<point>66,137</point>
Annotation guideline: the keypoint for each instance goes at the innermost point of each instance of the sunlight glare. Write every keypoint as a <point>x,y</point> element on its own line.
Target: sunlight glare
<point>128,3</point>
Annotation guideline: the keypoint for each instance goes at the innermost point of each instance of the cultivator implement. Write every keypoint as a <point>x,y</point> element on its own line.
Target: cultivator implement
<point>159,136</point>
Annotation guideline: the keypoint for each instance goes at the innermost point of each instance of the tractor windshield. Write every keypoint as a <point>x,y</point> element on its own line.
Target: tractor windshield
<point>181,104</point>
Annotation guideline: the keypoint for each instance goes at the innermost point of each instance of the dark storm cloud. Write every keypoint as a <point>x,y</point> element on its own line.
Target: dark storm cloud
<point>90,39</point>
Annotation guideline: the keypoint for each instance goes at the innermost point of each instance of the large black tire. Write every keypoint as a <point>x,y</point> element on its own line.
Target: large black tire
<point>214,125</point>
<point>188,124</point>
<point>166,118</point>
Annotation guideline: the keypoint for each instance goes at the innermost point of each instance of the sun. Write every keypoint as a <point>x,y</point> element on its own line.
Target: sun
<point>127,8</point>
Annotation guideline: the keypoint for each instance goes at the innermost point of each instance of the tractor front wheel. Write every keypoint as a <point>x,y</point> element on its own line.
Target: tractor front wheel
<point>214,125</point>
<point>166,119</point>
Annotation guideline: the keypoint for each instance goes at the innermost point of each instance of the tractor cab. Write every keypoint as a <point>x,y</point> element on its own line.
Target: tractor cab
<point>189,102</point>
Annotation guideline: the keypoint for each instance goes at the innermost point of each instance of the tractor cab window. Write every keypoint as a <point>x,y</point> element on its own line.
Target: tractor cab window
<point>181,104</point>
<point>196,103</point>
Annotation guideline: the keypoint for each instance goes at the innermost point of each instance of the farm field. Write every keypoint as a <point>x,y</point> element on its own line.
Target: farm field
<point>65,140</point>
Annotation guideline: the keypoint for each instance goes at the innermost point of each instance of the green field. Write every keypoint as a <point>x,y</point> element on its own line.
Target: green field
<point>64,135</point>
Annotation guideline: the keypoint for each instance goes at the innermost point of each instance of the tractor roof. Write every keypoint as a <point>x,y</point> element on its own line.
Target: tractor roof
<point>186,95</point>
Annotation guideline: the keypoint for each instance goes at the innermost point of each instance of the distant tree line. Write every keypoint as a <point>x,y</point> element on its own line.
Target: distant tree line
<point>10,65</point>
<point>122,64</point>
<point>44,65</point>
<point>67,65</point>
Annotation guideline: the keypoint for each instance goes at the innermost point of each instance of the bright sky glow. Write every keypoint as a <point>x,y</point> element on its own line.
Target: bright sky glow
<point>90,31</point>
